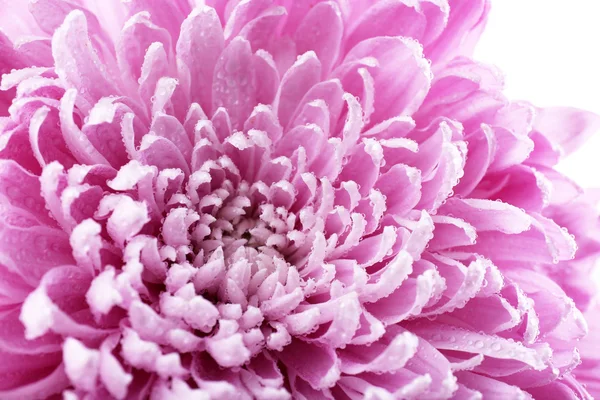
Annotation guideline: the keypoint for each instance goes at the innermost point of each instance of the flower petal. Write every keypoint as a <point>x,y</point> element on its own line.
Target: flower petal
<point>136,37</point>
<point>296,82</point>
<point>319,366</point>
<point>199,47</point>
<point>76,62</point>
<point>566,127</point>
<point>395,94</point>
<point>321,31</point>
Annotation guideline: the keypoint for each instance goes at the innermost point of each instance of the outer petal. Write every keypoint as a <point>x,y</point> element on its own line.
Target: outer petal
<point>396,92</point>
<point>491,388</point>
<point>305,73</point>
<point>199,47</point>
<point>421,20</point>
<point>567,127</point>
<point>168,15</point>
<point>31,262</point>
<point>234,85</point>
<point>9,60</point>
<point>319,366</point>
<point>76,62</point>
<point>465,24</point>
<point>488,215</point>
<point>137,35</point>
<point>22,190</point>
<point>321,31</point>
<point>48,386</point>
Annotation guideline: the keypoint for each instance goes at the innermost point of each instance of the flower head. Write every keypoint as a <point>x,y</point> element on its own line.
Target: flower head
<point>274,199</point>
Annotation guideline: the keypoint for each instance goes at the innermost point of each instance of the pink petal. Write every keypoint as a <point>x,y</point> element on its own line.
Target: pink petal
<point>346,312</point>
<point>394,94</point>
<point>451,232</point>
<point>199,47</point>
<point>480,150</point>
<point>389,278</point>
<point>321,31</point>
<point>264,119</point>
<point>136,37</point>
<point>401,187</point>
<point>568,387</point>
<point>166,15</point>
<point>490,387</point>
<point>54,305</point>
<point>50,14</point>
<point>511,149</point>
<point>51,249</point>
<point>311,138</point>
<point>112,375</point>
<point>409,299</point>
<point>81,364</point>
<point>155,66</point>
<point>170,128</point>
<point>457,94</point>
<point>388,354</point>
<point>12,338</point>
<point>77,64</point>
<point>495,314</point>
<point>233,85</point>
<point>447,174</point>
<point>229,352</point>
<point>488,215</point>
<point>20,22</point>
<point>47,386</point>
<point>544,242</point>
<point>564,190</point>
<point>15,145</point>
<point>80,146</point>
<point>544,151</point>
<point>332,93</point>
<point>243,13</point>
<point>103,130</point>
<point>266,74</point>
<point>13,289</point>
<point>464,26</point>
<point>319,366</point>
<point>127,217</point>
<point>401,19</point>
<point>521,186</point>
<point>296,82</point>
<point>162,153</point>
<point>260,31</point>
<point>363,165</point>
<point>221,122</point>
<point>22,190</point>
<point>566,127</point>
<point>52,148</point>
<point>462,283</point>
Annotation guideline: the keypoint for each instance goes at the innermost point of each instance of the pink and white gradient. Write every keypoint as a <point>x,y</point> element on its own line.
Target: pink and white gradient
<point>280,199</point>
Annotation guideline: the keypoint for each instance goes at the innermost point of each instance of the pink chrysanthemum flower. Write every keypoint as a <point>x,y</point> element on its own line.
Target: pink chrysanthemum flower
<point>280,199</point>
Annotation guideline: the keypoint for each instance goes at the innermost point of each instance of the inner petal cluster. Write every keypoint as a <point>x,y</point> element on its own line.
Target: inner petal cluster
<point>280,199</point>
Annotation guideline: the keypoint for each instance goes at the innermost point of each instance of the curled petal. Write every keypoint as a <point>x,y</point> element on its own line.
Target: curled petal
<point>319,366</point>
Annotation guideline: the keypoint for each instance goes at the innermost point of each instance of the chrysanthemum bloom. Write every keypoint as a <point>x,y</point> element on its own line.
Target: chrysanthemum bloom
<point>282,199</point>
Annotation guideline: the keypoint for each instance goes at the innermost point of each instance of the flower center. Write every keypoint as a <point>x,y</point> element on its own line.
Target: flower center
<point>238,248</point>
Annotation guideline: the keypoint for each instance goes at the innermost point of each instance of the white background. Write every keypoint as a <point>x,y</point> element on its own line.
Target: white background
<point>549,51</point>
